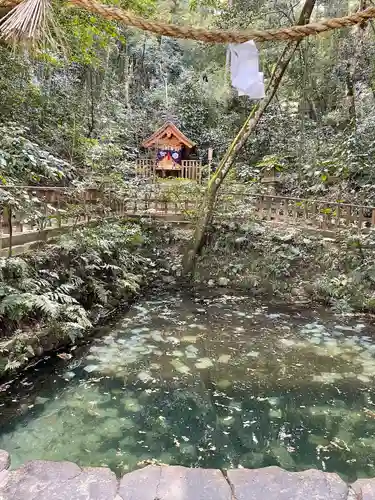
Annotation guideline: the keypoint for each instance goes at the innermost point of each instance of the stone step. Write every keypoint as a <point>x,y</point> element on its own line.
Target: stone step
<point>44,480</point>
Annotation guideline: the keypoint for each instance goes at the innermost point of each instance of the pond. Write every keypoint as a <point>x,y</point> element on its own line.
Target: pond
<point>198,381</point>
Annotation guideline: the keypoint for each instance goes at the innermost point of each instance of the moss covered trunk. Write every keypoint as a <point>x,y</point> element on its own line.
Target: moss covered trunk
<point>208,204</point>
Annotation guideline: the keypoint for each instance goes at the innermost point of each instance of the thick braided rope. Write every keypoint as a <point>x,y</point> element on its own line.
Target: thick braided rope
<point>216,36</point>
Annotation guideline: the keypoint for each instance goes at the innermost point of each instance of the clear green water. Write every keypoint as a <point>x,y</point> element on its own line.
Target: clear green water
<point>204,382</point>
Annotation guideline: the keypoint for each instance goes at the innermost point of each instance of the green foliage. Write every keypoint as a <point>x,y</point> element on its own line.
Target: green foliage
<point>87,36</point>
<point>292,266</point>
<point>92,100</point>
<point>71,283</point>
<point>23,161</point>
<point>89,105</point>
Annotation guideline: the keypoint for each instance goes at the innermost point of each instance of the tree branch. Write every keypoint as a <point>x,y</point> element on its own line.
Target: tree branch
<point>247,129</point>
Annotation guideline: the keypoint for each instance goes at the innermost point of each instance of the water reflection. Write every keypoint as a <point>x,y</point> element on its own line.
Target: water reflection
<point>208,382</point>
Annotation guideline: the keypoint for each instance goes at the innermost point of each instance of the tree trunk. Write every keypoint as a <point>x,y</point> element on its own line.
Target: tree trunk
<point>352,68</point>
<point>127,82</point>
<point>350,91</point>
<point>91,117</point>
<point>247,129</point>
<point>227,57</point>
<point>10,224</point>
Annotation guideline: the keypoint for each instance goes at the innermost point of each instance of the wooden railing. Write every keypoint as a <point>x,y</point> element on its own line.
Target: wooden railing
<point>44,208</point>
<point>145,168</point>
<point>190,169</point>
<point>36,210</point>
<point>320,214</point>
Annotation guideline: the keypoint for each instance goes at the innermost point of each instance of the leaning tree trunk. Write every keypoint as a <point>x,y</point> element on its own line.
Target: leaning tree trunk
<point>358,50</point>
<point>208,205</point>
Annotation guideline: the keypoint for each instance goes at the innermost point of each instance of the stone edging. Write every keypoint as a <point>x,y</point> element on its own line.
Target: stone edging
<point>43,480</point>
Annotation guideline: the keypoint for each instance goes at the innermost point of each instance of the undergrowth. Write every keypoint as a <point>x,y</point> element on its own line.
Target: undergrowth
<point>291,265</point>
<point>62,291</point>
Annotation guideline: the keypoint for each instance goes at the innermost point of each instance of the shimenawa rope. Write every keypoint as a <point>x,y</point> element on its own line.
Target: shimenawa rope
<point>216,36</point>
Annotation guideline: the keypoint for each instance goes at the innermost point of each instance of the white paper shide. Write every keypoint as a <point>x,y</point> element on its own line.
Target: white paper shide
<point>245,74</point>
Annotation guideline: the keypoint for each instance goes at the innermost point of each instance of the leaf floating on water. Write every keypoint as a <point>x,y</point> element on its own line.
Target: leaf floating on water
<point>240,329</point>
<point>69,375</point>
<point>275,413</point>
<point>189,338</point>
<point>223,384</point>
<point>64,355</point>
<point>253,460</point>
<point>183,369</point>
<point>126,423</point>
<point>180,367</point>
<point>173,340</point>
<point>363,378</point>
<point>283,457</point>
<point>157,337</point>
<point>228,420</point>
<point>204,363</point>
<point>144,376</point>
<point>253,354</point>
<point>327,377</point>
<point>139,349</point>
<point>188,449</point>
<point>191,348</point>
<point>155,366</point>
<point>273,401</point>
<point>288,342</point>
<point>40,401</point>
<point>317,440</point>
<point>345,328</point>
<point>132,404</point>
<point>190,354</point>
<point>91,368</point>
<point>224,358</point>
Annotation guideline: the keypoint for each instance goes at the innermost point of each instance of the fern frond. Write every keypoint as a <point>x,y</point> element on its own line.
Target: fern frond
<point>7,290</point>
<point>45,305</point>
<point>67,287</point>
<point>33,285</point>
<point>73,330</point>
<point>61,298</point>
<point>128,284</point>
<point>112,267</point>
<point>100,292</point>
<point>15,306</point>
<point>12,365</point>
<point>76,314</point>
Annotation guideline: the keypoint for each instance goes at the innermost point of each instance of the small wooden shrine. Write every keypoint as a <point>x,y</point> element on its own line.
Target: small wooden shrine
<point>169,154</point>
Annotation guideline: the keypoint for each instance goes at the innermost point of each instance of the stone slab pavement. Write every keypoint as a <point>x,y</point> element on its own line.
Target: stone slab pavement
<point>43,480</point>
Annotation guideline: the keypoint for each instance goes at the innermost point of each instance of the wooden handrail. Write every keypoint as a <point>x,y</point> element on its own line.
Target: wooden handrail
<point>90,203</point>
<point>230,193</point>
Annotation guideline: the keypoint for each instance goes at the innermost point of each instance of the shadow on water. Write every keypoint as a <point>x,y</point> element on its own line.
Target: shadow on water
<point>205,381</point>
